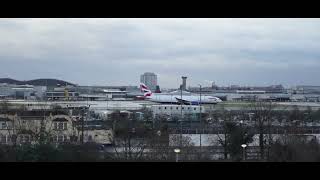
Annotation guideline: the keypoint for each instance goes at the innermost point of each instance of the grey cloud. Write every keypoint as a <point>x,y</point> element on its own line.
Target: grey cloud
<point>117,51</point>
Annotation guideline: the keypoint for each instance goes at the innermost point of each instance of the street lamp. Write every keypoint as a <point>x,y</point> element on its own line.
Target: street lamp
<point>133,130</point>
<point>177,151</point>
<point>244,151</point>
<point>131,133</point>
<point>250,117</point>
<point>82,123</point>
<point>241,122</point>
<point>159,133</point>
<point>306,119</point>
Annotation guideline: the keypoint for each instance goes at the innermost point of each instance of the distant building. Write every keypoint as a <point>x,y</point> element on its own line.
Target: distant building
<point>203,89</point>
<point>267,89</point>
<point>176,110</point>
<point>250,92</point>
<point>12,91</point>
<point>150,80</point>
<point>22,127</point>
<point>158,89</point>
<point>307,90</point>
<point>105,94</point>
<point>62,93</point>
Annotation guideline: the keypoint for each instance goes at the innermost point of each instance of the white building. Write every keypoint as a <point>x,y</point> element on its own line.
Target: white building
<point>176,110</point>
<point>149,79</point>
<point>307,89</point>
<point>22,91</point>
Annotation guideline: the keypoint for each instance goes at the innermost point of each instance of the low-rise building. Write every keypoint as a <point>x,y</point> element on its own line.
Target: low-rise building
<point>30,92</point>
<point>62,94</point>
<point>177,110</point>
<point>306,90</point>
<point>58,127</point>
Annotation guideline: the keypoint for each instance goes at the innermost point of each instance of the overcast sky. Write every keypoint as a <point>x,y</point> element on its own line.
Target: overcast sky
<point>118,51</point>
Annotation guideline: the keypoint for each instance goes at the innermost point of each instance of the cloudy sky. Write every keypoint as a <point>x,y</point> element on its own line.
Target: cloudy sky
<point>118,51</point>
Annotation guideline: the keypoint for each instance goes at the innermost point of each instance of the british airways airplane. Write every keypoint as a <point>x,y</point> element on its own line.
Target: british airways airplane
<point>174,98</point>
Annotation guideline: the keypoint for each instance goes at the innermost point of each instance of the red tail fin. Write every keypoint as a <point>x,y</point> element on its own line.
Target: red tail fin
<point>145,90</point>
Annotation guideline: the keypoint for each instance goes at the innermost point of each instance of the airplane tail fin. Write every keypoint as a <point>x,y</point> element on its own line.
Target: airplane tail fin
<point>143,87</point>
<point>147,94</point>
<point>145,90</point>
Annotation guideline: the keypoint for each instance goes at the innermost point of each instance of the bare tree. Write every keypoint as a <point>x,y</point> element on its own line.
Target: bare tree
<point>295,148</point>
<point>158,145</point>
<point>226,117</point>
<point>263,112</point>
<point>233,137</point>
<point>186,146</point>
<point>130,139</point>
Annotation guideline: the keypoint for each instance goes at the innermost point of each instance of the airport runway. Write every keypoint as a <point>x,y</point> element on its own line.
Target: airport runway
<point>136,105</point>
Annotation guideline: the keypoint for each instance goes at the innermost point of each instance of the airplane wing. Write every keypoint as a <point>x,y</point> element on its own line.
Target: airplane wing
<point>186,102</point>
<point>182,101</point>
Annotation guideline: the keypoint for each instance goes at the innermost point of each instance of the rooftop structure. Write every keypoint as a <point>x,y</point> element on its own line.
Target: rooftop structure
<point>21,91</point>
<point>184,83</point>
<point>307,90</point>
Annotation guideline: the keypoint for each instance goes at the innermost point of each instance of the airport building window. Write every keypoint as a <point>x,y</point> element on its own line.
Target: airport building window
<point>159,107</point>
<point>171,108</point>
<point>3,125</point>
<point>177,108</point>
<point>194,108</point>
<point>3,139</point>
<point>60,126</point>
<point>25,138</point>
<point>188,108</point>
<point>165,107</point>
<point>61,138</point>
<point>182,107</point>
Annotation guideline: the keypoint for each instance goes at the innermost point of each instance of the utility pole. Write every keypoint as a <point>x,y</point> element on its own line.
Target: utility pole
<point>42,127</point>
<point>181,118</point>
<point>200,121</point>
<point>129,142</point>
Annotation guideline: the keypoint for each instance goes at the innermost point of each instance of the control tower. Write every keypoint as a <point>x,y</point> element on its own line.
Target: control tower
<point>184,83</point>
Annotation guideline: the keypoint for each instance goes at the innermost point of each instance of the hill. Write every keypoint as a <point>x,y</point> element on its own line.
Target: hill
<point>36,82</point>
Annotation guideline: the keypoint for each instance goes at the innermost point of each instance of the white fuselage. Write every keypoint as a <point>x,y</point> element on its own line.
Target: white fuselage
<point>194,99</point>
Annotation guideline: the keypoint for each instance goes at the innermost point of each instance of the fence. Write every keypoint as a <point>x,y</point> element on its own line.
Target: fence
<point>220,130</point>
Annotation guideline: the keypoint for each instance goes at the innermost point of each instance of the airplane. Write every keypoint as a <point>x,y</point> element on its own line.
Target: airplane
<point>174,98</point>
